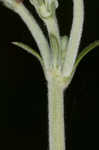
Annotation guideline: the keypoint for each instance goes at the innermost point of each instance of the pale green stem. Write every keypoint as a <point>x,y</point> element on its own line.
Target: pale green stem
<point>56,116</point>
<point>52,27</point>
<point>36,33</point>
<point>75,36</point>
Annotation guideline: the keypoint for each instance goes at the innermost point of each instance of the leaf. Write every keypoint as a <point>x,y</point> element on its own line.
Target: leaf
<point>85,52</point>
<point>29,50</point>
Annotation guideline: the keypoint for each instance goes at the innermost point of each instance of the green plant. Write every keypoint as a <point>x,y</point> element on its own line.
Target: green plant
<point>58,59</point>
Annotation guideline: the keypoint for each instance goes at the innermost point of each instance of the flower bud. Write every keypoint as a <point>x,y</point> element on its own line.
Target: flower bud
<point>45,8</point>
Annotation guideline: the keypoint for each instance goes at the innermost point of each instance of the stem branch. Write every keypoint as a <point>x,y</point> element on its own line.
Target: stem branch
<point>36,33</point>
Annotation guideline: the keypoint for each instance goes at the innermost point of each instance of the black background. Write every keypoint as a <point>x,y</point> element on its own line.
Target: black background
<point>23,89</point>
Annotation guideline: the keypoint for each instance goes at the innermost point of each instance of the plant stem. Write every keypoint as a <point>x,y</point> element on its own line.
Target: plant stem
<point>36,33</point>
<point>75,37</point>
<point>53,29</point>
<point>56,116</point>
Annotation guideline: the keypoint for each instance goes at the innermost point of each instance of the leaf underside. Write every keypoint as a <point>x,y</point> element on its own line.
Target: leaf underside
<point>85,52</point>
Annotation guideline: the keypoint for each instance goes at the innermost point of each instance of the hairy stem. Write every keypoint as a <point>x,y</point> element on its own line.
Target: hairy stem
<point>75,36</point>
<point>36,33</point>
<point>56,116</point>
<point>53,29</point>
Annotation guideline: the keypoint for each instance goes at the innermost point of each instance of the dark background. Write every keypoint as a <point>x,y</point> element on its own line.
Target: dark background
<point>23,89</point>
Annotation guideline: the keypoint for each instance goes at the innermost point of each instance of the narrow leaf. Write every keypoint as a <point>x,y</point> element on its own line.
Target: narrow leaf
<point>85,52</point>
<point>29,50</point>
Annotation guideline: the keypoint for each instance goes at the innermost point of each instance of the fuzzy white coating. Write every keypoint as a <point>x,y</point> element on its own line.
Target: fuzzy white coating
<point>75,36</point>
